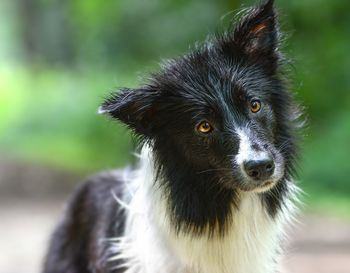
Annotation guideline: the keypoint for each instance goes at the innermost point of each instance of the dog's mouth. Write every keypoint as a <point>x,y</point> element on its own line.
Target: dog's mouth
<point>260,176</point>
<point>259,187</point>
<point>265,186</point>
<point>249,185</point>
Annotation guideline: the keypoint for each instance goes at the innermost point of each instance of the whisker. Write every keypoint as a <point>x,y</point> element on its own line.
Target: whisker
<point>212,170</point>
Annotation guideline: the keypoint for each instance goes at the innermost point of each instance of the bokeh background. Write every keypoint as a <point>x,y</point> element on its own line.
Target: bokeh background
<point>60,58</point>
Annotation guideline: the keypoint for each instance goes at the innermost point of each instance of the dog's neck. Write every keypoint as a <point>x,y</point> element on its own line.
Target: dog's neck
<point>152,244</point>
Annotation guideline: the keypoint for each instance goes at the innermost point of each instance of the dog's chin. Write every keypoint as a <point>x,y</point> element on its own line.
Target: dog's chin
<point>260,187</point>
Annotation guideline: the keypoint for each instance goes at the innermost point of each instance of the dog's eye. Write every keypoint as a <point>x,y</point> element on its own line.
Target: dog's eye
<point>204,127</point>
<point>255,106</point>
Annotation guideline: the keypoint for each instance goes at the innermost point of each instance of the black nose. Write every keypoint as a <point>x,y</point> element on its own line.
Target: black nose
<point>259,169</point>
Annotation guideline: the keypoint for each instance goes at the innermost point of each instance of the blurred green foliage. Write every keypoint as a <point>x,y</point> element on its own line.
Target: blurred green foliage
<point>59,58</point>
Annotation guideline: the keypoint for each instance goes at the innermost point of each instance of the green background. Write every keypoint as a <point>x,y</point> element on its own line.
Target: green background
<point>60,58</point>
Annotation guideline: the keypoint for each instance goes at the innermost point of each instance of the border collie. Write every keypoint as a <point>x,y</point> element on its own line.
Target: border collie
<point>214,190</point>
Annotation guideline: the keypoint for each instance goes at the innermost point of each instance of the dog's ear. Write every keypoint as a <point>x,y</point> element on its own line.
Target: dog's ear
<point>134,107</point>
<point>257,31</point>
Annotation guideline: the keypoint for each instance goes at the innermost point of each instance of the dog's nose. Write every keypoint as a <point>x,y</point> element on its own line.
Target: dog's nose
<point>259,169</point>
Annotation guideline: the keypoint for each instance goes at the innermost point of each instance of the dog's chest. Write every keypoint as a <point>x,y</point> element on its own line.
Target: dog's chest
<point>150,245</point>
<point>248,247</point>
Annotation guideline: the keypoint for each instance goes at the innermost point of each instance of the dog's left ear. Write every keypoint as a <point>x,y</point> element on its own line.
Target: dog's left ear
<point>133,107</point>
<point>257,31</point>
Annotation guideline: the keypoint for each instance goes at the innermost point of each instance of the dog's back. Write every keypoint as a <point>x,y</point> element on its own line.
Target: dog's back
<point>80,242</point>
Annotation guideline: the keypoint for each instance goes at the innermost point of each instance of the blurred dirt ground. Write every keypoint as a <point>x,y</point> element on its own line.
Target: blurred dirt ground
<point>319,245</point>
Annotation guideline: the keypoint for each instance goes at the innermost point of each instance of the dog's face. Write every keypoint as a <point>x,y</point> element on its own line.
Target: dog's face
<point>220,118</point>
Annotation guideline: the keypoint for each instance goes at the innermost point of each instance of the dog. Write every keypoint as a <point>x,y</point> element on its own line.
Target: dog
<point>214,189</point>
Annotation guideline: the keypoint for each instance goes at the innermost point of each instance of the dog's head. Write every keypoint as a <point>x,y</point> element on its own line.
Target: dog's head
<point>219,119</point>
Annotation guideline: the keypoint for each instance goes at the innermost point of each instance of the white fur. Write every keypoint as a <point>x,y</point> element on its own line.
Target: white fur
<point>246,153</point>
<point>151,246</point>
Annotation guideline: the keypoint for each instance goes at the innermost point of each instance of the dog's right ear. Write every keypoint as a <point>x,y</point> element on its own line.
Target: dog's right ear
<point>134,107</point>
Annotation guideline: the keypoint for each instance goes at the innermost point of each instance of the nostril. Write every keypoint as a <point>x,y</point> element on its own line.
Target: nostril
<point>269,167</point>
<point>254,174</point>
<point>259,169</point>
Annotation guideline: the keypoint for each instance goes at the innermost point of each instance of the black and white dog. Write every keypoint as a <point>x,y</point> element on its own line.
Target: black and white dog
<point>214,189</point>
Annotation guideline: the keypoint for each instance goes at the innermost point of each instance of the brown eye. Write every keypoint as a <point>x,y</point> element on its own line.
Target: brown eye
<point>204,127</point>
<point>255,106</point>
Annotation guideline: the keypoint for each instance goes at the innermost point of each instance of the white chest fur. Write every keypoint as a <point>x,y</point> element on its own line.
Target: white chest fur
<point>150,245</point>
<point>250,245</point>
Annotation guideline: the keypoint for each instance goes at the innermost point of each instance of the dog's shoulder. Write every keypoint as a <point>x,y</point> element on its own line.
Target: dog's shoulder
<point>92,216</point>
<point>97,190</point>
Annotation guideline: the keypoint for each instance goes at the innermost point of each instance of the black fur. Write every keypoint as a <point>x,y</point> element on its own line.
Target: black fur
<point>198,174</point>
<point>92,216</point>
<point>214,82</point>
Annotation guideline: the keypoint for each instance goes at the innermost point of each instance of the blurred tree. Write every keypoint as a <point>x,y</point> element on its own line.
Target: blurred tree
<point>76,50</point>
<point>113,31</point>
<point>46,31</point>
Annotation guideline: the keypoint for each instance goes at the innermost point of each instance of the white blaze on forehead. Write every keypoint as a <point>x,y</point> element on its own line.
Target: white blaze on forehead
<point>246,151</point>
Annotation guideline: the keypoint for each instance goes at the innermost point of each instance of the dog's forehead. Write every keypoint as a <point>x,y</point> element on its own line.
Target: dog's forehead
<point>205,78</point>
